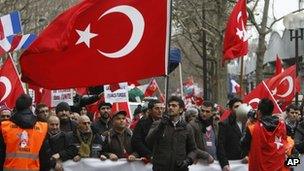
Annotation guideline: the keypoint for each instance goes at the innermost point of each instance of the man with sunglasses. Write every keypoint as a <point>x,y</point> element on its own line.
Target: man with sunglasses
<point>102,124</point>
<point>229,136</point>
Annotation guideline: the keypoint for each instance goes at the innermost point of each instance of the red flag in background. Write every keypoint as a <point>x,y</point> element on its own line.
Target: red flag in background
<point>278,65</point>
<point>10,87</point>
<point>81,91</point>
<point>152,88</point>
<point>235,41</point>
<point>260,92</point>
<point>285,85</point>
<point>100,42</point>
<point>42,95</point>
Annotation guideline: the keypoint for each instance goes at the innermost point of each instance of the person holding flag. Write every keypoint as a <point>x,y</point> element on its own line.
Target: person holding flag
<point>265,140</point>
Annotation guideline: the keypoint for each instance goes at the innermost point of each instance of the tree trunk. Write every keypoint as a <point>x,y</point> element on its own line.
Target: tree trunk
<point>261,45</point>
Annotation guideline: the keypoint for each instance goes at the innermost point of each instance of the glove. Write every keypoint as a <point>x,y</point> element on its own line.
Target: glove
<point>165,120</point>
<point>184,164</point>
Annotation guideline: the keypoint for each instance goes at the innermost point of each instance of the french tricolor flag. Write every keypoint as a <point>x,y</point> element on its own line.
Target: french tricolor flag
<point>16,42</point>
<point>21,41</point>
<point>10,24</point>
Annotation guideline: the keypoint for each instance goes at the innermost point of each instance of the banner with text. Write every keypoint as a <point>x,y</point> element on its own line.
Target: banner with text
<point>119,95</point>
<point>64,95</point>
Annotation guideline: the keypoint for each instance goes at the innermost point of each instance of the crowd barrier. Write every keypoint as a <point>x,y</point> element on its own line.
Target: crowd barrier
<point>90,164</point>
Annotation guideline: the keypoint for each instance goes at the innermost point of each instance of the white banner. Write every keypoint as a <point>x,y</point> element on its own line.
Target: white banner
<point>90,164</point>
<point>120,95</point>
<point>58,96</point>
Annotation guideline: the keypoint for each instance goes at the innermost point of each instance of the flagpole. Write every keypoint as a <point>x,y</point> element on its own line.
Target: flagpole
<point>170,6</point>
<point>275,102</point>
<point>181,79</point>
<point>241,77</point>
<point>26,86</point>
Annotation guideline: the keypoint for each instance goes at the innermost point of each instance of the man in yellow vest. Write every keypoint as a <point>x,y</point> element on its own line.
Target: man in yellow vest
<point>22,138</point>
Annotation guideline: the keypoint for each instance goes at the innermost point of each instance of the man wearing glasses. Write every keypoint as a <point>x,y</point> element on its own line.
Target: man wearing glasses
<point>5,113</point>
<point>229,136</point>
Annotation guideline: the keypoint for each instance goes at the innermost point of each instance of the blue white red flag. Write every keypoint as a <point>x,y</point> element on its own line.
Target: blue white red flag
<point>10,24</point>
<point>21,41</point>
<point>16,42</point>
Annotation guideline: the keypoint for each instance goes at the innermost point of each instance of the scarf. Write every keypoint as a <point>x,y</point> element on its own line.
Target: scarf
<point>85,145</point>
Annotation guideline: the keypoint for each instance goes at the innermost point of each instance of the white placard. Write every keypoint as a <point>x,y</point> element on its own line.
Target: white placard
<point>120,95</point>
<point>65,95</point>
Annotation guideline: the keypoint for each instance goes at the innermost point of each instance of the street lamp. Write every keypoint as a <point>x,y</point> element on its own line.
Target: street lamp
<point>295,24</point>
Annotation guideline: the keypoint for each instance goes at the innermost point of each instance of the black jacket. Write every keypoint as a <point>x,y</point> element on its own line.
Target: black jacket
<point>229,136</point>
<point>24,119</point>
<point>95,146</point>
<point>61,143</point>
<point>119,144</point>
<point>101,126</point>
<point>299,137</point>
<point>139,135</point>
<point>68,126</point>
<point>171,145</point>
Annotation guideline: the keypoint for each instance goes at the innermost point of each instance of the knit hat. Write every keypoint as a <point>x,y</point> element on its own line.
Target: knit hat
<point>63,106</point>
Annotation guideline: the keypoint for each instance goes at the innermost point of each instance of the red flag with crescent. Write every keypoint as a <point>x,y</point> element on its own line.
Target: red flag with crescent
<point>236,36</point>
<point>100,42</point>
<point>285,85</point>
<point>10,84</point>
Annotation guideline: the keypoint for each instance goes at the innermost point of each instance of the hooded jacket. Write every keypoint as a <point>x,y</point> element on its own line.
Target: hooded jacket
<point>24,119</point>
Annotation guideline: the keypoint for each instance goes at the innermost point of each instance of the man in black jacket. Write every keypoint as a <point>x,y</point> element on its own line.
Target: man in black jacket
<point>63,112</point>
<point>89,143</point>
<point>60,143</point>
<point>155,110</point>
<point>102,125</point>
<point>172,140</point>
<point>229,136</point>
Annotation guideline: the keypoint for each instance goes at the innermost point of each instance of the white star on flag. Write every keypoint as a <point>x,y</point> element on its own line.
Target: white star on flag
<point>239,33</point>
<point>85,36</point>
<point>278,142</point>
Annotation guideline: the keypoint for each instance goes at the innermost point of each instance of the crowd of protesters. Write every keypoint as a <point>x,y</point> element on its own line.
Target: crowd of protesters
<point>170,139</point>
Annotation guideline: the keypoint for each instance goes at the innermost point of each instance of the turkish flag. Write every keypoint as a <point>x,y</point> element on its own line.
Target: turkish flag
<point>267,150</point>
<point>100,42</point>
<point>10,87</point>
<point>261,91</point>
<point>42,95</point>
<point>278,65</point>
<point>152,88</point>
<point>235,40</point>
<point>285,85</point>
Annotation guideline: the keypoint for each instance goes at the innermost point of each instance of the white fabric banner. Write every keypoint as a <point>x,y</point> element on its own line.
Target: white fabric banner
<point>90,164</point>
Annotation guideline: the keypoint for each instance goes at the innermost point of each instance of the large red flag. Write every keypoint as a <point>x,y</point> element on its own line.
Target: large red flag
<point>285,85</point>
<point>11,87</point>
<point>100,42</point>
<point>235,41</point>
<point>260,92</point>
<point>278,65</point>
